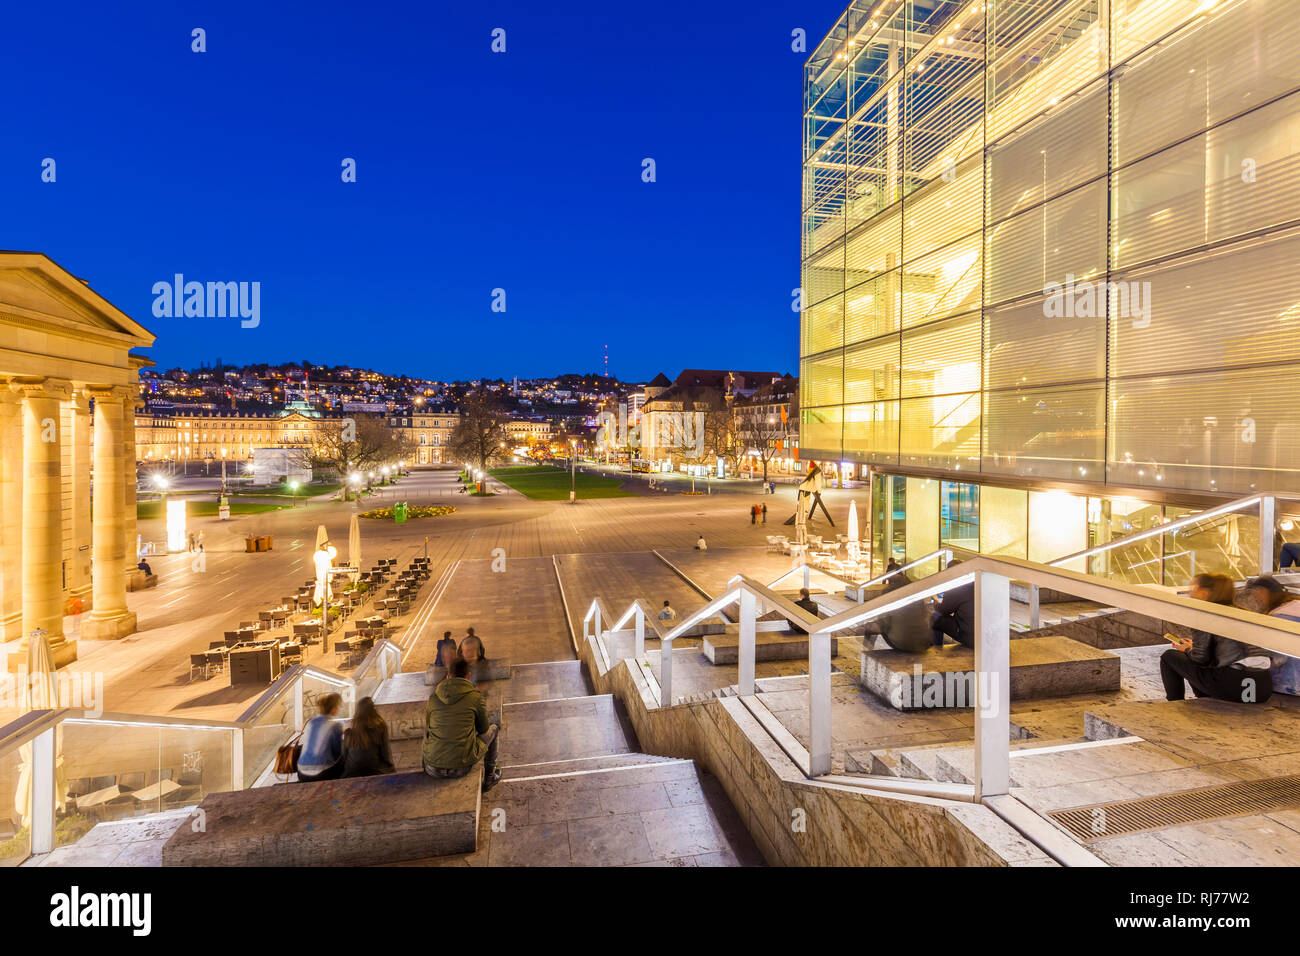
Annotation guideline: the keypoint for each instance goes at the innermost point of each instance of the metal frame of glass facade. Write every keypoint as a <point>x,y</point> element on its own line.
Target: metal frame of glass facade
<point>1053,242</point>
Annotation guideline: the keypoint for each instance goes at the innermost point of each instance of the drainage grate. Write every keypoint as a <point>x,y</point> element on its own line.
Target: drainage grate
<point>1221,802</point>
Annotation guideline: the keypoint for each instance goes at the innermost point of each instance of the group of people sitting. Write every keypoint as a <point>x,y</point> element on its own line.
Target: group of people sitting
<point>1220,667</point>
<point>457,734</point>
<point>1211,665</point>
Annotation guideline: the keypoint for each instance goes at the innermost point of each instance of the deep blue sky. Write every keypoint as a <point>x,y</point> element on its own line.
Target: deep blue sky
<point>475,171</point>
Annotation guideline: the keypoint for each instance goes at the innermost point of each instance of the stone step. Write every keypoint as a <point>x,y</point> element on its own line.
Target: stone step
<point>768,646</point>
<point>546,730</point>
<point>583,765</point>
<point>357,821</point>
<point>1040,667</point>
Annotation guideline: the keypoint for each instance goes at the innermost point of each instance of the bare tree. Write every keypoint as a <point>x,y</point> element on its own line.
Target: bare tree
<point>358,443</point>
<point>767,423</point>
<point>722,436</point>
<point>480,436</point>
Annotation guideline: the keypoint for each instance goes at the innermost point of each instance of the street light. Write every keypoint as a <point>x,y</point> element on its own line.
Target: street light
<point>293,490</point>
<point>573,481</point>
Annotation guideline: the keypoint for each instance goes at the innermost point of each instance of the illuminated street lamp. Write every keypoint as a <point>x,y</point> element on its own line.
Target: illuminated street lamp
<point>293,491</point>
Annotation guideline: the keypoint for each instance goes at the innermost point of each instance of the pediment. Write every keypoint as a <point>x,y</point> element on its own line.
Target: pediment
<point>36,290</point>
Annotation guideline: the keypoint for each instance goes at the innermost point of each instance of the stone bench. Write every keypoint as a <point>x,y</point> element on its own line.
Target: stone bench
<point>491,668</point>
<point>768,646</point>
<point>359,821</point>
<point>401,701</point>
<point>1040,667</point>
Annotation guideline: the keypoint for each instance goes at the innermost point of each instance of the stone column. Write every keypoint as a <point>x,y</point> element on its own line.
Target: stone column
<point>42,547</point>
<point>135,578</point>
<point>11,517</point>
<point>79,563</point>
<point>110,618</point>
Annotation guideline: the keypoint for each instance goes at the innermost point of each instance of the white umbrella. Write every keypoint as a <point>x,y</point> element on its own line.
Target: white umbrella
<point>321,536</point>
<point>853,530</point>
<point>354,545</point>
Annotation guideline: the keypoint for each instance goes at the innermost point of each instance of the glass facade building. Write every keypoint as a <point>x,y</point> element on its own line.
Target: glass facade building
<point>1051,245</point>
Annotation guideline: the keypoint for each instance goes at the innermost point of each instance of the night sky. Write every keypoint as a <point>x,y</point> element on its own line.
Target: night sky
<point>475,171</point>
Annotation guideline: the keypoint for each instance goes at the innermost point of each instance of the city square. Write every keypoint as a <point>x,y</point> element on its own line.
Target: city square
<point>980,548</point>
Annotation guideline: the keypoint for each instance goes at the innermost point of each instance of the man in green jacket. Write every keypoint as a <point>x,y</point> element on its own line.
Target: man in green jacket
<point>456,730</point>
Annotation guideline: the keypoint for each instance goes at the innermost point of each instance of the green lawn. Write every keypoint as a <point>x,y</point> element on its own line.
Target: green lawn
<point>145,510</point>
<point>545,483</point>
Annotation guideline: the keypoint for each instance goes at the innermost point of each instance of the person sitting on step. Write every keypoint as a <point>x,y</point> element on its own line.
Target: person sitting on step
<point>322,743</point>
<point>457,734</point>
<point>1214,666</point>
<point>366,750</point>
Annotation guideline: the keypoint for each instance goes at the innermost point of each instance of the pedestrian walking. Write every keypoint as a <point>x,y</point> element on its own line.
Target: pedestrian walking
<point>764,514</point>
<point>200,540</point>
<point>753,514</point>
<point>189,541</point>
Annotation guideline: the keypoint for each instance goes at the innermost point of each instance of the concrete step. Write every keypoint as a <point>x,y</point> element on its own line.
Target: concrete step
<point>665,812</point>
<point>357,821</point>
<point>566,729</point>
<point>1040,667</point>
<point>547,681</point>
<point>582,765</point>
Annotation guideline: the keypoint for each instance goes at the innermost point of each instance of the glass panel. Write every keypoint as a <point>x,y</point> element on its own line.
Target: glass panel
<point>16,806</point>
<point>1228,544</point>
<point>822,380</point>
<point>942,358</point>
<point>871,432</point>
<point>111,770</point>
<point>873,307</point>
<point>1046,433</point>
<point>1058,524</point>
<point>1060,241</point>
<point>821,433</point>
<point>921,532</point>
<point>940,431</point>
<point>1004,518</point>
<point>960,515</point>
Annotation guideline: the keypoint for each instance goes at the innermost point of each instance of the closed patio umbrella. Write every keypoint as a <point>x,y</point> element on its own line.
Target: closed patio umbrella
<point>321,536</point>
<point>853,530</point>
<point>354,546</point>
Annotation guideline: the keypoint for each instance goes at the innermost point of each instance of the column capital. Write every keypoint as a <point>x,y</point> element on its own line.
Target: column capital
<point>58,388</point>
<point>109,393</point>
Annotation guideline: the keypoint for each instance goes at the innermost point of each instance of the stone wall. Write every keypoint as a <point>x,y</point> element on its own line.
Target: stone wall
<point>1109,631</point>
<point>798,822</point>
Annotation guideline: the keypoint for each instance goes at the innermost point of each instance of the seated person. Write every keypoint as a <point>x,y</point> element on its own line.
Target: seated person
<point>366,750</point>
<point>901,576</point>
<point>322,743</point>
<point>701,544</point>
<point>808,604</point>
<point>456,730</point>
<point>1290,555</point>
<point>1213,665</point>
<point>908,628</point>
<point>1265,595</point>
<point>144,566</point>
<point>471,649</point>
<point>446,650</point>
<point>954,616</point>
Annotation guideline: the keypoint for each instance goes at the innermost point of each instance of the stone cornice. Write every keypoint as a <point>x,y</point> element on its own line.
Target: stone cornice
<point>58,388</point>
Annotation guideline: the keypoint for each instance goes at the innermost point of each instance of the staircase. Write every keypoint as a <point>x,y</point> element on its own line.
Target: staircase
<point>576,791</point>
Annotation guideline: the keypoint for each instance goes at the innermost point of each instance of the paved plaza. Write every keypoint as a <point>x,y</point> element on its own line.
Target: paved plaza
<point>148,671</point>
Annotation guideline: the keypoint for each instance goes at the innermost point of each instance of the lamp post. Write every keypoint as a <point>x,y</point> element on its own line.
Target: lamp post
<point>573,479</point>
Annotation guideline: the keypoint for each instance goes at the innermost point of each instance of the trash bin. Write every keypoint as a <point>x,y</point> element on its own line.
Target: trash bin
<point>250,544</point>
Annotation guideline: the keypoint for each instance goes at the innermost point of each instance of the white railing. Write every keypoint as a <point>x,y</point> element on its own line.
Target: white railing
<point>244,748</point>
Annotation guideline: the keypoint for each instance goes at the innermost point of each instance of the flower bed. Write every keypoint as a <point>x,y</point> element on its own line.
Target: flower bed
<point>414,511</point>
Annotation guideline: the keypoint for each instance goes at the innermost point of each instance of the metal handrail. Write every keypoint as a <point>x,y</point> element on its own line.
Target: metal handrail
<point>1178,524</point>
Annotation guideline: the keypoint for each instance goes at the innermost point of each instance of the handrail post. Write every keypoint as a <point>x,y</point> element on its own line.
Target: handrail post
<point>807,572</point>
<point>639,649</point>
<point>748,639</point>
<point>666,672</point>
<point>237,758</point>
<point>297,704</point>
<point>819,704</point>
<point>43,795</point>
<point>1267,517</point>
<point>1035,621</point>
<point>992,684</point>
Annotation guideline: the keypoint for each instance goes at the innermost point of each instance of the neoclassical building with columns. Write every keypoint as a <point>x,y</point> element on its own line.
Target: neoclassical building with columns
<point>68,391</point>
